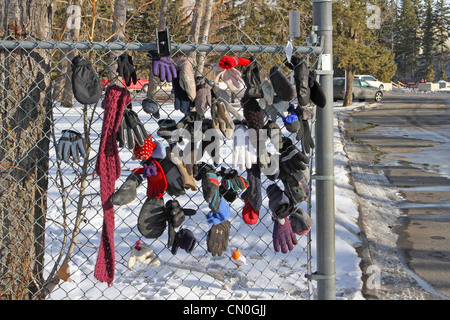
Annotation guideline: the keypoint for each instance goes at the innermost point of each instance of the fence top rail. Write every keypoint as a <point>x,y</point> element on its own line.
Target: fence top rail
<point>136,46</point>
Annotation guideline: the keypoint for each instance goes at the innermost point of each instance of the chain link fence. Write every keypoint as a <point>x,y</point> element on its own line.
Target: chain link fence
<point>51,227</point>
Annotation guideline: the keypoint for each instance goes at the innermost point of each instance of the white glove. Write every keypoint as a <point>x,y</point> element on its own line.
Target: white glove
<point>244,154</point>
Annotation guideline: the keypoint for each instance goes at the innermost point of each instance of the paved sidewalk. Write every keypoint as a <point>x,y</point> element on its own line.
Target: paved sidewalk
<point>388,146</point>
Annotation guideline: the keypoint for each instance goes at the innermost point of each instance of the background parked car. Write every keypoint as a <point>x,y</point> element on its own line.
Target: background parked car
<point>361,90</point>
<point>371,80</point>
<point>141,84</point>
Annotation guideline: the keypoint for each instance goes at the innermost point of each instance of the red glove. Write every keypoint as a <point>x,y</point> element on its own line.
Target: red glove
<point>249,214</point>
<point>228,62</point>
<point>156,184</point>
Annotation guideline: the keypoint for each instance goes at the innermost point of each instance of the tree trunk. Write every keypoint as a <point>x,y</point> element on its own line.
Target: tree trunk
<point>63,87</point>
<point>205,34</point>
<point>195,27</point>
<point>348,96</point>
<point>120,17</point>
<point>25,107</point>
<point>153,81</point>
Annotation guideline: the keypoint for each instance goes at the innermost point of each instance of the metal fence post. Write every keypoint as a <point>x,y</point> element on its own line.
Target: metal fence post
<point>325,205</point>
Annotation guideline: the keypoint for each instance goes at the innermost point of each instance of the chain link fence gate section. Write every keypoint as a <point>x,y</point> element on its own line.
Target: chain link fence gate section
<point>74,215</point>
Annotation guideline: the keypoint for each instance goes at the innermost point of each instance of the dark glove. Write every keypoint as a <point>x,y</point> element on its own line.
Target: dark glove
<point>221,215</point>
<point>253,191</point>
<point>279,202</point>
<point>185,240</point>
<point>152,218</point>
<point>252,80</point>
<point>307,140</point>
<point>231,184</point>
<point>182,101</point>
<point>203,96</point>
<point>301,222</point>
<point>150,106</point>
<point>291,121</point>
<point>210,184</point>
<point>131,129</point>
<point>175,183</point>
<point>301,79</point>
<point>127,191</point>
<point>316,93</point>
<point>291,159</point>
<point>126,69</point>
<point>294,187</point>
<point>283,236</point>
<point>281,85</point>
<point>70,145</point>
<point>175,217</point>
<point>217,238</point>
<point>163,67</point>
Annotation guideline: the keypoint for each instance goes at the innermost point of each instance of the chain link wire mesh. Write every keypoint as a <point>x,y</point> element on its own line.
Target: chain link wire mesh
<point>51,214</point>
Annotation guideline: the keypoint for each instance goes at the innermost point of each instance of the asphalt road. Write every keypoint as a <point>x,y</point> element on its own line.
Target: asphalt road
<point>399,153</point>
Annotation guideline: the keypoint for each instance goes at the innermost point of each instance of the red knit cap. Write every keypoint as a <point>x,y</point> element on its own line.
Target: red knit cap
<point>144,152</point>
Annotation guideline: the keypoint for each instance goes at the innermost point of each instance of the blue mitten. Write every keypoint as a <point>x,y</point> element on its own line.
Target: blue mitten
<point>291,121</point>
<point>222,215</point>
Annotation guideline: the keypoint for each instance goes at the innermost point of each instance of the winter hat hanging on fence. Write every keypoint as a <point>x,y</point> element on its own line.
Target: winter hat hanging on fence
<point>85,81</point>
<point>228,62</point>
<point>108,168</point>
<point>145,151</point>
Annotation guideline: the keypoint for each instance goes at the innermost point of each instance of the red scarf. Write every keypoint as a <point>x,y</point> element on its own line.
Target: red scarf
<point>108,168</point>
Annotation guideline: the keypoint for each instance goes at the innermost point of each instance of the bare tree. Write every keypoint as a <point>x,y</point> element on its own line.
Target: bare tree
<point>25,99</point>
<point>63,87</point>
<point>118,31</point>
<point>204,34</point>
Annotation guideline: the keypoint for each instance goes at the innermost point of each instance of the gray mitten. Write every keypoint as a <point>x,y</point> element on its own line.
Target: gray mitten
<point>127,191</point>
<point>301,222</point>
<point>152,218</point>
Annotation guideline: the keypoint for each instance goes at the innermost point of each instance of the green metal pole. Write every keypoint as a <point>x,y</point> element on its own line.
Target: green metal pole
<point>325,203</point>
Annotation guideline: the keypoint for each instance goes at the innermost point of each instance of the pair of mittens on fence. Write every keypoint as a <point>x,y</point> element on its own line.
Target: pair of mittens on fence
<point>307,87</point>
<point>71,146</point>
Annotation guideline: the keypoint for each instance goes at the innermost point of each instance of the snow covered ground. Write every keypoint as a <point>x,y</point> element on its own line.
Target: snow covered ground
<point>267,275</point>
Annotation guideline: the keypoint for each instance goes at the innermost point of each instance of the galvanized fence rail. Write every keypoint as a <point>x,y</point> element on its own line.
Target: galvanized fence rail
<point>71,215</point>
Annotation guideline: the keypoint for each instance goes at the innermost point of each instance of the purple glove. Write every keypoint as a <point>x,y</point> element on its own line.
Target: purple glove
<point>150,169</point>
<point>284,236</point>
<point>164,68</point>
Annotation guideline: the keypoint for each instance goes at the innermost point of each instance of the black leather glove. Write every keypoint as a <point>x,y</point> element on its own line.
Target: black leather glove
<point>131,129</point>
<point>252,80</point>
<point>126,69</point>
<point>175,182</point>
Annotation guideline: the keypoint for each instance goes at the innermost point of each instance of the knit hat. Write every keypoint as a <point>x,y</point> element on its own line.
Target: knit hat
<point>144,152</point>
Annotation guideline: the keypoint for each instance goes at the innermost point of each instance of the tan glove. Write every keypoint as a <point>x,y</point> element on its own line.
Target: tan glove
<point>188,178</point>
